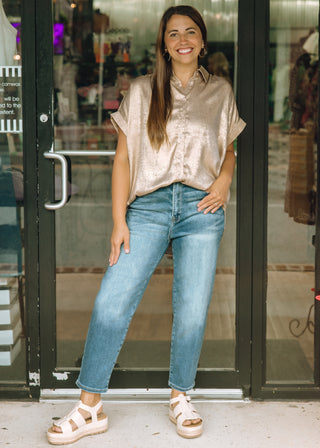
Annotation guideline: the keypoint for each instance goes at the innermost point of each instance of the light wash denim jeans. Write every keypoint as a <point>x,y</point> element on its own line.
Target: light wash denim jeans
<point>169,213</point>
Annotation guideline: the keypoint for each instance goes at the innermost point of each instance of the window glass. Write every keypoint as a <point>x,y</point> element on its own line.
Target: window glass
<point>12,324</point>
<point>293,109</point>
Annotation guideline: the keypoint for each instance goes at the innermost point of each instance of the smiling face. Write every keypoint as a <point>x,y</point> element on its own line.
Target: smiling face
<point>183,40</point>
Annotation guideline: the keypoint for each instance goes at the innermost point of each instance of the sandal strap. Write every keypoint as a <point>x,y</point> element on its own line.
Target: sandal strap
<point>93,411</point>
<point>77,417</point>
<point>184,410</point>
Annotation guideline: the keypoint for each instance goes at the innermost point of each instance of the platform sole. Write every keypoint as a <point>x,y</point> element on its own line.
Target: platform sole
<point>89,429</point>
<point>186,431</point>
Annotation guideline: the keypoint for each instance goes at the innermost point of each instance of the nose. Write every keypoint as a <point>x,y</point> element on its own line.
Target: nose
<point>183,38</point>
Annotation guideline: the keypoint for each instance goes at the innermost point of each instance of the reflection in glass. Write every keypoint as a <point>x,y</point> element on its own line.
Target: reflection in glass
<point>12,325</point>
<point>98,50</point>
<point>293,106</point>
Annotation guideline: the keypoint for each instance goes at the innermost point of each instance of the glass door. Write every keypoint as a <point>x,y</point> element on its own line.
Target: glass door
<point>12,229</point>
<point>285,349</point>
<point>98,47</point>
<point>293,134</point>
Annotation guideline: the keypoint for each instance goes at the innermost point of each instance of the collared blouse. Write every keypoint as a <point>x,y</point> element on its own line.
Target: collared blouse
<point>204,121</point>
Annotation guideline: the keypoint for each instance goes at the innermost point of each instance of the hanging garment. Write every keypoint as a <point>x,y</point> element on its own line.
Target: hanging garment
<point>298,89</point>
<point>311,102</point>
<point>300,189</point>
<point>8,36</point>
<point>300,195</point>
<point>281,80</point>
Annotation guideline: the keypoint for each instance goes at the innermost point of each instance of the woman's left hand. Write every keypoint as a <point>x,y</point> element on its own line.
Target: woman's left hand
<point>218,192</point>
<point>216,197</point>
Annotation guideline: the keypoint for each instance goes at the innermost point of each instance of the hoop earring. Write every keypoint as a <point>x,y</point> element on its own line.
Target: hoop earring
<point>203,52</point>
<point>166,54</point>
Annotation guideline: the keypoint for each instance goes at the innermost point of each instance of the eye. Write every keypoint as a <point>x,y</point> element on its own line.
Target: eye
<point>172,34</point>
<point>192,32</point>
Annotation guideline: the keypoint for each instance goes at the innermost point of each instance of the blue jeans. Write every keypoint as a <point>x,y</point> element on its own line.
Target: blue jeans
<point>167,214</point>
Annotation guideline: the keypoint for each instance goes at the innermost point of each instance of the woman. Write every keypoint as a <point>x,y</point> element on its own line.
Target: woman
<point>172,172</point>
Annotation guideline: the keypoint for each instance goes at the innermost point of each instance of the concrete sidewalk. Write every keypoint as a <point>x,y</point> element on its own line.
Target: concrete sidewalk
<point>241,424</point>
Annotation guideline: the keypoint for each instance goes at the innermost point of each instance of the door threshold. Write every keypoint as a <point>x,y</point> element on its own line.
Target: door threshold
<point>146,395</point>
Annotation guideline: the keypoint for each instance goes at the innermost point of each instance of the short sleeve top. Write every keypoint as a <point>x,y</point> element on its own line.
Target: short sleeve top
<point>204,121</point>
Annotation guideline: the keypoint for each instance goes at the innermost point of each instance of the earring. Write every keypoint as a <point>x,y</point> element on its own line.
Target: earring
<point>167,54</point>
<point>203,52</point>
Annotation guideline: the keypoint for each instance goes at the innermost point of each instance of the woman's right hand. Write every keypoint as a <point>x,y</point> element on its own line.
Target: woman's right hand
<point>120,235</point>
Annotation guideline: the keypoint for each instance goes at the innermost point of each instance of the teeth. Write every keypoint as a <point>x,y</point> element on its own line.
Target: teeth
<point>186,50</point>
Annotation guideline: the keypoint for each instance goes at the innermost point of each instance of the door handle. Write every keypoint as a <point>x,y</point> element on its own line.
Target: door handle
<point>64,181</point>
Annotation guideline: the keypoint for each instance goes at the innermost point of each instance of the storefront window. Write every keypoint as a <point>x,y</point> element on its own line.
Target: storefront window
<point>293,118</point>
<point>12,334</point>
<point>99,47</point>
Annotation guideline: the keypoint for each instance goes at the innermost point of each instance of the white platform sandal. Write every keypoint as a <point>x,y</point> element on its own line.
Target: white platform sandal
<point>95,424</point>
<point>183,411</point>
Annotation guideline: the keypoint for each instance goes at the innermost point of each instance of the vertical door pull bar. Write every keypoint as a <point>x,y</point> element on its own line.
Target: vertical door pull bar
<point>64,181</point>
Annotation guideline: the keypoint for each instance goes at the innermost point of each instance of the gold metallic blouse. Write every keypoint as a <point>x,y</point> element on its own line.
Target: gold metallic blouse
<point>203,123</point>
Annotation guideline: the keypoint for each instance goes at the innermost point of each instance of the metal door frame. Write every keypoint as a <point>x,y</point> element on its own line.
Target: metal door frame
<point>53,378</point>
<point>249,374</point>
<point>30,389</point>
<point>260,388</point>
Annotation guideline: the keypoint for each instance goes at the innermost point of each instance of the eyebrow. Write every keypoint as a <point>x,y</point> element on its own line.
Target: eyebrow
<point>190,28</point>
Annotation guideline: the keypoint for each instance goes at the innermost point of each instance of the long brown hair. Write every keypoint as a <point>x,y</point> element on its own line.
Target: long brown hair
<point>161,99</point>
